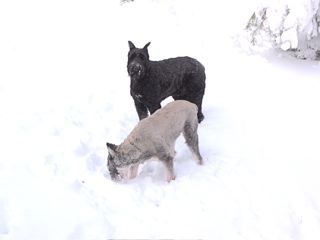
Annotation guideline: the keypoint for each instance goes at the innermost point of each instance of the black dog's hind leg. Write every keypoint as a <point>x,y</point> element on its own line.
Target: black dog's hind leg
<point>141,109</point>
<point>198,102</point>
<point>196,99</point>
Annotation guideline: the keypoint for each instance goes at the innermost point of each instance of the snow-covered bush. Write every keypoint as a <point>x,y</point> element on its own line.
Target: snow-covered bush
<point>125,1</point>
<point>293,26</point>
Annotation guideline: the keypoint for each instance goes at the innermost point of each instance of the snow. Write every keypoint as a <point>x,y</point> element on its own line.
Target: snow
<point>288,25</point>
<point>64,92</point>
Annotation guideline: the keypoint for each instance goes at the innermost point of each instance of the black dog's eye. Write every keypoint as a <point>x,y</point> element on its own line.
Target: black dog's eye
<point>132,56</point>
<point>142,57</point>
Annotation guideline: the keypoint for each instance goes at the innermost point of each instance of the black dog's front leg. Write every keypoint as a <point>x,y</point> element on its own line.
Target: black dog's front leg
<point>141,109</point>
<point>154,108</point>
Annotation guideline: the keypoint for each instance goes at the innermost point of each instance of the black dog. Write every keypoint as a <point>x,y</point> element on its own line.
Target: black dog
<point>153,81</point>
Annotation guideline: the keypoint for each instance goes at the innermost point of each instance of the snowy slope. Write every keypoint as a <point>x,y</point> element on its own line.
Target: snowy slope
<point>64,92</point>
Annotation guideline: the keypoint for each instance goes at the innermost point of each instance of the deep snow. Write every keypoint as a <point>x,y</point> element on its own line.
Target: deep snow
<point>64,92</point>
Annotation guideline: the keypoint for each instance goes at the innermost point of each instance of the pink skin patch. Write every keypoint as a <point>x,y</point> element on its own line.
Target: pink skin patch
<point>128,172</point>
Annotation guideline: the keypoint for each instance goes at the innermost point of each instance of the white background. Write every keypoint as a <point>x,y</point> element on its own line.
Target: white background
<point>64,92</point>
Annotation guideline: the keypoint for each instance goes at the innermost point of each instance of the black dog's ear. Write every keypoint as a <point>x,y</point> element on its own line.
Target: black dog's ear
<point>111,148</point>
<point>131,45</point>
<point>147,45</point>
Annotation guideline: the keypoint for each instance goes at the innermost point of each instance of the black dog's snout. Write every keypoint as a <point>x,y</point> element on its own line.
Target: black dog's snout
<point>134,68</point>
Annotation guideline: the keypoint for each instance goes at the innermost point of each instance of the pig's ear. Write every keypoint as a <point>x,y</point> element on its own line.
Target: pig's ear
<point>112,148</point>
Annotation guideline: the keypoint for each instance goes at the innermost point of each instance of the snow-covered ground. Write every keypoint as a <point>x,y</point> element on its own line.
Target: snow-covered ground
<point>64,92</point>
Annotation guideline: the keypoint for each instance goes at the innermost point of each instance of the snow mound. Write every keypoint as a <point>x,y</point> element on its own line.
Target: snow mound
<point>293,26</point>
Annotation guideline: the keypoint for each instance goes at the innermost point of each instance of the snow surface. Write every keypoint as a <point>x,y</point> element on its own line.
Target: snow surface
<point>64,92</point>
